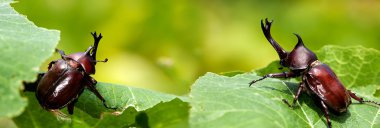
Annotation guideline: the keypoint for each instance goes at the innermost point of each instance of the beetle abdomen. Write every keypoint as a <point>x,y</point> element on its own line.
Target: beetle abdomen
<point>325,84</point>
<point>66,89</point>
<point>50,77</point>
<point>56,91</point>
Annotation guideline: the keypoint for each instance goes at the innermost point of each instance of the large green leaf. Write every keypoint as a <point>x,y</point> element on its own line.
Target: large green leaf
<point>23,47</point>
<point>220,101</point>
<point>135,108</point>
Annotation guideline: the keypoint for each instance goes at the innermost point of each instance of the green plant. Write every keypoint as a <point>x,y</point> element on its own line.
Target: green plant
<point>214,100</point>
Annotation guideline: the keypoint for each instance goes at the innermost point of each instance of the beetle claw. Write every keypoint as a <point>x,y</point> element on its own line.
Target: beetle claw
<point>105,105</point>
<point>370,101</point>
<point>287,103</point>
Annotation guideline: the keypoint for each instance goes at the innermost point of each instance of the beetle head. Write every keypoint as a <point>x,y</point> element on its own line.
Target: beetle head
<point>298,59</point>
<point>87,59</point>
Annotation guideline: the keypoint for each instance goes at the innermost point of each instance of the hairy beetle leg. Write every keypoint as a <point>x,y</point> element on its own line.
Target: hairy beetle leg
<point>326,113</point>
<point>32,86</point>
<point>370,101</point>
<point>299,90</point>
<point>70,106</point>
<point>353,95</point>
<point>91,85</point>
<point>51,63</point>
<point>254,81</point>
<point>62,53</point>
<point>274,75</point>
<point>287,103</point>
<point>105,105</point>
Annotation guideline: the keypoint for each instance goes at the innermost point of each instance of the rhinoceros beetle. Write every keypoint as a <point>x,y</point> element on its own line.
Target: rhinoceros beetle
<point>317,79</point>
<point>66,79</point>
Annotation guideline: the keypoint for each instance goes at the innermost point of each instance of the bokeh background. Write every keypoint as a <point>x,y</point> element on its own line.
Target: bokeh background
<point>165,45</point>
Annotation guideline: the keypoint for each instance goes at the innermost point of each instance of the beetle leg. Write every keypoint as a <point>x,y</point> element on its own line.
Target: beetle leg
<point>326,113</point>
<point>62,53</point>
<point>51,63</point>
<point>91,86</point>
<point>353,95</point>
<point>274,75</point>
<point>32,86</point>
<point>299,90</point>
<point>70,106</point>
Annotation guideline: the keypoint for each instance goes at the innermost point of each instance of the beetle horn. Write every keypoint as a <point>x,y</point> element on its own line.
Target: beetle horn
<point>300,42</point>
<point>96,42</point>
<point>266,30</point>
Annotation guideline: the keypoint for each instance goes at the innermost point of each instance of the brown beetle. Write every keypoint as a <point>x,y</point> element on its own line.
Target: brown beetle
<point>66,79</point>
<point>318,79</point>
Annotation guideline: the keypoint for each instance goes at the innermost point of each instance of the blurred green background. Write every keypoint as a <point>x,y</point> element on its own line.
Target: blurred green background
<point>166,45</point>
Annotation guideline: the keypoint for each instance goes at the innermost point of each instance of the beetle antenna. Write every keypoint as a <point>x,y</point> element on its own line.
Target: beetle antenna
<point>105,60</point>
<point>96,42</point>
<point>266,30</point>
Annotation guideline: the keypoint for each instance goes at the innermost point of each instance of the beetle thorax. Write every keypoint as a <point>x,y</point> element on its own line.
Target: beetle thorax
<point>74,64</point>
<point>300,57</point>
<point>315,63</point>
<point>85,60</point>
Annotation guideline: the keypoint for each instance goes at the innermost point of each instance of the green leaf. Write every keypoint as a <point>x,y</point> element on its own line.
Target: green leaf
<point>23,48</point>
<point>136,108</point>
<point>120,97</point>
<point>219,101</point>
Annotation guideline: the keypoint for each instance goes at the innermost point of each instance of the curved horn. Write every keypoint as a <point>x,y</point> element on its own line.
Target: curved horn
<point>300,42</point>
<point>266,30</point>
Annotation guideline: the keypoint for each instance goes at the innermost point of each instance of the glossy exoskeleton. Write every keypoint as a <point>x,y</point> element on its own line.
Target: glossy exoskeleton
<point>66,79</point>
<point>318,79</point>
